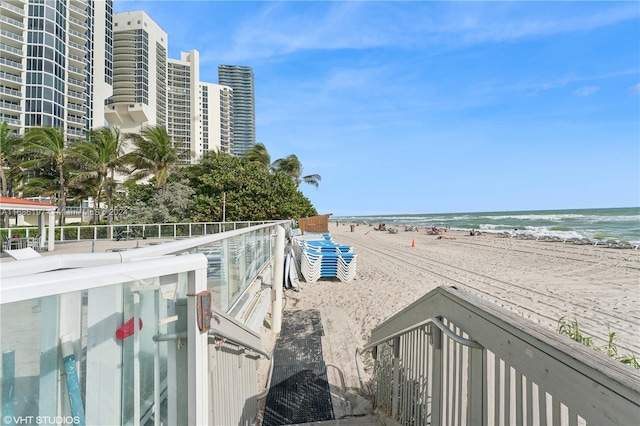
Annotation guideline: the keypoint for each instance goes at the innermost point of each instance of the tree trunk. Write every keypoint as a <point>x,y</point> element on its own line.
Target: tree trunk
<point>111,214</point>
<point>3,177</point>
<point>63,197</point>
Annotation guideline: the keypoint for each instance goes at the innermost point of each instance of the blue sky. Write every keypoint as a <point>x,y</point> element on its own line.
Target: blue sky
<point>434,107</point>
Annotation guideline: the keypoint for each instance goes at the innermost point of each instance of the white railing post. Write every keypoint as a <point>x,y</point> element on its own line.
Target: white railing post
<point>477,394</point>
<point>198,350</point>
<point>436,403</point>
<point>395,391</point>
<point>52,231</point>
<point>276,283</point>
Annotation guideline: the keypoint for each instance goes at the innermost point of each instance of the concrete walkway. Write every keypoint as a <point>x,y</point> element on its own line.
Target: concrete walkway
<point>91,246</point>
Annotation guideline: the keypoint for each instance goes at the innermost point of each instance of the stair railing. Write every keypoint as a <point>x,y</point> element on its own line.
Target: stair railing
<point>453,358</point>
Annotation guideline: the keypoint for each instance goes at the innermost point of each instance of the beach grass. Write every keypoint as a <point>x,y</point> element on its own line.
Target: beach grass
<point>571,328</point>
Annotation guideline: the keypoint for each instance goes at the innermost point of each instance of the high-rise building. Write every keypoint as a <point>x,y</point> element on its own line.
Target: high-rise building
<point>151,89</point>
<point>199,115</point>
<point>139,73</point>
<point>240,79</point>
<point>55,63</point>
<point>182,83</point>
<point>75,64</point>
<point>216,107</point>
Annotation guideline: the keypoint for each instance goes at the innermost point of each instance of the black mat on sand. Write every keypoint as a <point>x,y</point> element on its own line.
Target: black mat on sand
<point>299,391</point>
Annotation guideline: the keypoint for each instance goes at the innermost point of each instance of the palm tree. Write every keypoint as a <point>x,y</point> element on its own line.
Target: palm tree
<point>292,166</point>
<point>259,154</point>
<point>47,147</point>
<point>100,157</point>
<point>154,155</point>
<point>10,144</point>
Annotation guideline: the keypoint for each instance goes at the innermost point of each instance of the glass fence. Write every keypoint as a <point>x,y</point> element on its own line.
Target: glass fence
<point>234,263</point>
<point>75,357</point>
<point>120,343</point>
<point>234,259</point>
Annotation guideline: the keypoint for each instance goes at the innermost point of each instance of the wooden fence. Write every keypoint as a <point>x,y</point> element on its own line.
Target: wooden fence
<point>314,223</point>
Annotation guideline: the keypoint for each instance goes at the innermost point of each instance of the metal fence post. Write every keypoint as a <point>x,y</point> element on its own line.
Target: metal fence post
<point>276,283</point>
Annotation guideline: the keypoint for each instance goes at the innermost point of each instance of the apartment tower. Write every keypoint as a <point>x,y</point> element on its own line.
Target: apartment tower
<point>55,64</point>
<point>216,106</point>
<point>240,79</point>
<point>151,89</point>
<point>139,73</point>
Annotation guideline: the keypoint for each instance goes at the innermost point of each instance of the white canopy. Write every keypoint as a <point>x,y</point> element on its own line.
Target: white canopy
<point>19,206</point>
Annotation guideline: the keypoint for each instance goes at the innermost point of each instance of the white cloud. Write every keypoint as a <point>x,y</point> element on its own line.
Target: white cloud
<point>635,90</point>
<point>586,90</point>
<point>281,28</point>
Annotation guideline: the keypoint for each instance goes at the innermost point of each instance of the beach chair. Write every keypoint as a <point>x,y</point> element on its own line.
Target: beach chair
<point>34,242</point>
<point>323,258</point>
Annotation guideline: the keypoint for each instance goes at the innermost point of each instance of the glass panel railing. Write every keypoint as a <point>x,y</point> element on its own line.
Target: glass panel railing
<point>112,372</point>
<point>234,263</point>
<point>22,331</point>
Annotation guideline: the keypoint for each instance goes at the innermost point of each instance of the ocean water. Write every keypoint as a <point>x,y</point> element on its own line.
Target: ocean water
<point>617,223</point>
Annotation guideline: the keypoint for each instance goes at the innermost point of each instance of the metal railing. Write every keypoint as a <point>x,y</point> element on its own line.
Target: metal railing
<point>168,370</point>
<point>139,231</point>
<point>452,358</point>
<point>234,258</point>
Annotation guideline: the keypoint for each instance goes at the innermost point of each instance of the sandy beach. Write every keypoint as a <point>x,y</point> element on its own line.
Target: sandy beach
<point>540,281</point>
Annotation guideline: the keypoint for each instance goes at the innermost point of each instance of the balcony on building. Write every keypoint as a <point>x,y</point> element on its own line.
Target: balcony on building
<point>77,85</point>
<point>76,36</point>
<point>78,12</point>
<point>10,95</point>
<point>7,64</point>
<point>77,72</point>
<point>77,48</point>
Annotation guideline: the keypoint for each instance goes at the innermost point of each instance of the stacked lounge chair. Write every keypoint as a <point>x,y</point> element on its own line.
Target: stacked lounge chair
<point>323,258</point>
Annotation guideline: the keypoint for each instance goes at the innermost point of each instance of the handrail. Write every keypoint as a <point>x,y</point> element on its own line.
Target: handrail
<point>215,333</point>
<point>434,321</point>
<point>218,333</point>
<point>66,261</point>
<point>566,375</point>
<point>19,288</point>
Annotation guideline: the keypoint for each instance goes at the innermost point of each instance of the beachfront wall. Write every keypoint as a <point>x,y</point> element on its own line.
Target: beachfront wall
<point>452,358</point>
<point>70,349</point>
<point>314,224</point>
